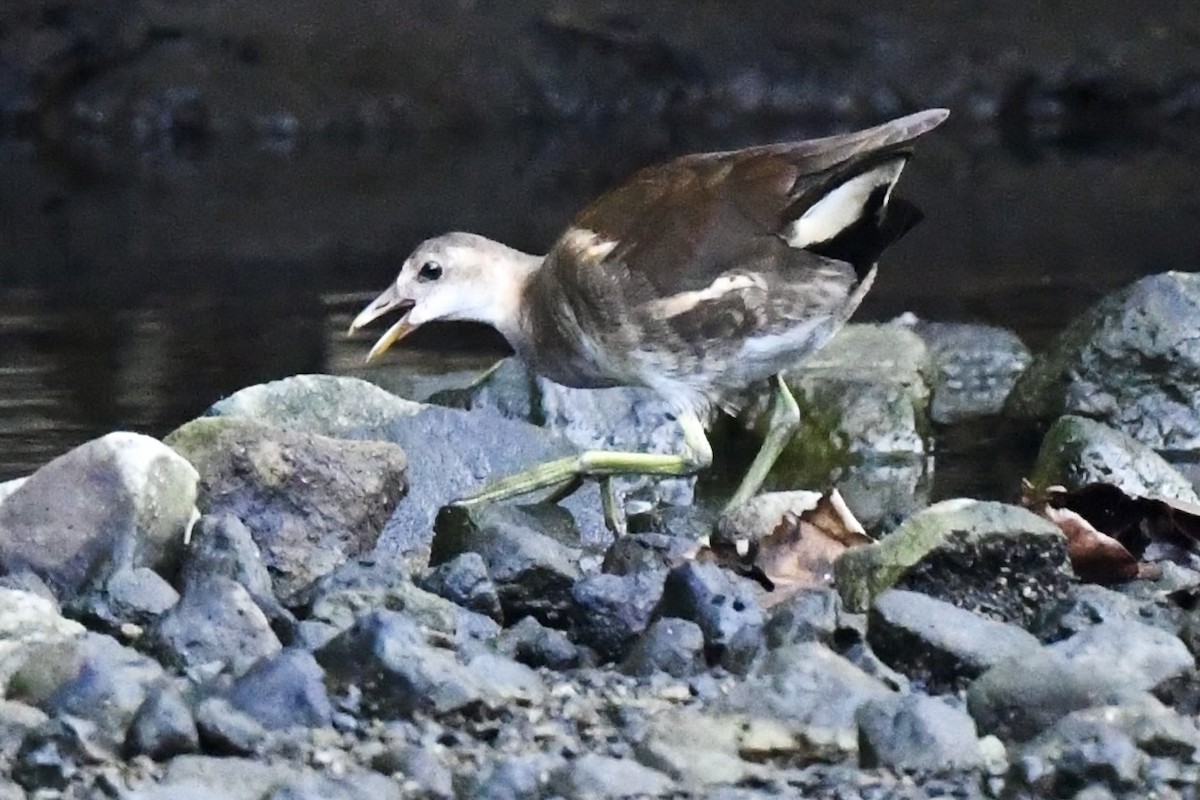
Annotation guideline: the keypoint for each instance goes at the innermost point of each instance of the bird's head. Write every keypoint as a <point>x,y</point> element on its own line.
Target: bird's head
<point>456,276</point>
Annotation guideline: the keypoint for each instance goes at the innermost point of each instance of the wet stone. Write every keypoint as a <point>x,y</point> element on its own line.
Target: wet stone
<point>723,605</point>
<point>974,368</point>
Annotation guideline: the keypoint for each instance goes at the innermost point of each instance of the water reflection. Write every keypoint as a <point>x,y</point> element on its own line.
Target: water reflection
<point>136,292</point>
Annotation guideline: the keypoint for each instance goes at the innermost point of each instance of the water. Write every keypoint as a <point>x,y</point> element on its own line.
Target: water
<point>137,289</point>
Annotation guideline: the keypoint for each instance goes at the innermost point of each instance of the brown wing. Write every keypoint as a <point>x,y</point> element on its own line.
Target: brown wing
<point>678,226</point>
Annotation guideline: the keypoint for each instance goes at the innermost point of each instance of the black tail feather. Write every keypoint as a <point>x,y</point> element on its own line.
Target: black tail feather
<point>862,243</point>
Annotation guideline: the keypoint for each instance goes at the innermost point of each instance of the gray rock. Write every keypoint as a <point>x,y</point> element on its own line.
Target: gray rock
<point>216,621</point>
<point>504,682</point>
<point>937,644</point>
<point>112,601</point>
<point>339,493</point>
<point>282,691</point>
<point>1020,698</point>
<point>162,728</point>
<point>1110,746</point>
<point>16,721</point>
<point>1087,605</point>
<point>424,774</point>
<point>723,605</point>
<point>648,552</point>
<point>385,656</point>
<point>535,645</point>
<point>8,487</point>
<point>25,581</point>
<point>915,732</point>
<point>1000,560</point>
<point>609,611</point>
<point>222,545</point>
<point>124,499</point>
<point>1144,656</point>
<point>56,754</point>
<point>93,678</point>
<point>363,585</point>
<point>592,776</point>
<point>192,777</point>
<point>673,646</point>
<point>974,368</point>
<point>814,693</point>
<point>29,624</point>
<point>359,785</point>
<point>1077,451</point>
<point>698,750</point>
<point>532,555</point>
<point>809,615</point>
<point>224,730</point>
<point>622,418</point>
<point>464,580</point>
<point>1131,361</point>
<point>519,777</point>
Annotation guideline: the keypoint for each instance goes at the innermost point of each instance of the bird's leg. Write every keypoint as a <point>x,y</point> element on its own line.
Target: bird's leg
<point>603,464</point>
<point>785,419</point>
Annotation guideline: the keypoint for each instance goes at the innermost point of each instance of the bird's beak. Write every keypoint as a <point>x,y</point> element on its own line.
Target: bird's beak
<point>388,301</point>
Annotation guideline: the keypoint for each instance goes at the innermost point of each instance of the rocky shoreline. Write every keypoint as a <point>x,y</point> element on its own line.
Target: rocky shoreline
<point>276,602</point>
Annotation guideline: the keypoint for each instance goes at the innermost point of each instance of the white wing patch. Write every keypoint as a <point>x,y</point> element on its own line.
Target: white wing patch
<point>588,244</point>
<point>684,302</point>
<point>841,207</point>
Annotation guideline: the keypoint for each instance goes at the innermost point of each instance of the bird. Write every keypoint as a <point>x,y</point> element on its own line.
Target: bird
<point>697,278</point>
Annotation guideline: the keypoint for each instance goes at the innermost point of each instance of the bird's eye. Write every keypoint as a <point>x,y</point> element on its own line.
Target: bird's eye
<point>430,271</point>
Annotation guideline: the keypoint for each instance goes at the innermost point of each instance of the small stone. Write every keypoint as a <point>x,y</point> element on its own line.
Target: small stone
<point>222,545</point>
<point>673,646</point>
<point>592,776</point>
<point>535,645</point>
<point>1144,656</point>
<point>648,552</point>
<point>464,580</point>
<point>532,555</point>
<point>54,755</point>
<point>518,777</point>
<point>611,610</point>
<point>915,732</point>
<point>224,730</point>
<point>136,597</point>
<point>162,728</point>
<point>215,621</point>
<point>697,750</point>
<point>29,622</point>
<point>940,646</point>
<point>809,615</point>
<point>974,368</point>
<point>282,691</point>
<point>723,605</point>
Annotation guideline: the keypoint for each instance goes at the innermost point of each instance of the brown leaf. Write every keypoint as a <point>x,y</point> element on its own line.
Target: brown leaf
<point>1096,557</point>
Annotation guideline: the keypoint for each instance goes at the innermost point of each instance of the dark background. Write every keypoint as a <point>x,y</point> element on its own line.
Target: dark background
<point>196,195</point>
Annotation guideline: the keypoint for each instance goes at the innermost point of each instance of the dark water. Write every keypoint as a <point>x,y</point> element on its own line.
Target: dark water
<point>136,289</point>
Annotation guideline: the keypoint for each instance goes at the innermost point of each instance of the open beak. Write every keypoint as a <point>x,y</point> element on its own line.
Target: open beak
<point>386,302</point>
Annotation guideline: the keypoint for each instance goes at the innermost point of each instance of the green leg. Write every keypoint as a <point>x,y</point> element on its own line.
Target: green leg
<point>601,464</point>
<point>785,420</point>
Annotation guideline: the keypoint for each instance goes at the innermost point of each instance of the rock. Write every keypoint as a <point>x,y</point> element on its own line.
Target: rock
<point>915,732</point>
<point>92,678</point>
<point>25,581</point>
<point>591,776</point>
<point>27,623</point>
<point>224,730</point>
<point>1077,451</point>
<point>809,615</point>
<point>1087,605</point>
<point>326,405</point>
<point>621,418</point>
<point>723,605</point>
<point>974,368</point>
<point>937,644</point>
<point>1144,655</point>
<point>8,487</point>
<point>1131,362</point>
<point>814,693</point>
<point>364,585</point>
<point>17,720</point>
<point>464,580</point>
<point>673,646</point>
<point>535,645</point>
<point>124,498</point>
<point>359,785</point>
<point>609,611</point>
<point>1108,746</point>
<point>339,493</point>
<point>424,774</point>
<point>697,750</point>
<point>162,728</point>
<point>1020,698</point>
<point>518,777</point>
<point>648,552</point>
<point>506,682</point>
<point>387,659</point>
<point>55,755</point>
<point>194,777</point>
<point>532,555</point>
<point>998,560</point>
<point>126,597</point>
<point>222,545</point>
<point>283,691</point>
<point>216,621</point>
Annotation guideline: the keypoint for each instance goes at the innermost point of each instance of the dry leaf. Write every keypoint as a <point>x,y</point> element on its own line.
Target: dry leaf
<point>1095,556</point>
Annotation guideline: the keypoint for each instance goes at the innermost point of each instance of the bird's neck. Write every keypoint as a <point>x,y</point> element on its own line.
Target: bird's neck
<point>514,271</point>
